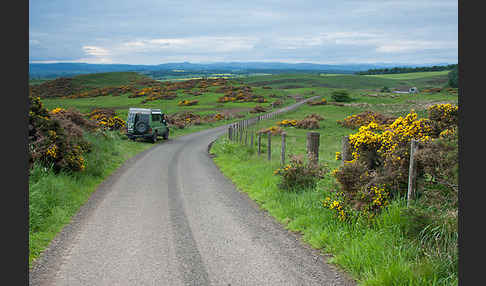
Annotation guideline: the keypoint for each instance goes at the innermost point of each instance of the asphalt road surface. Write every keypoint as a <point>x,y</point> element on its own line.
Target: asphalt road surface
<point>169,217</point>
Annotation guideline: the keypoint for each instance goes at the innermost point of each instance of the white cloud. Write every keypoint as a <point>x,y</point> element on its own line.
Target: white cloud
<point>96,51</point>
<point>400,46</point>
<point>96,55</point>
<point>192,44</point>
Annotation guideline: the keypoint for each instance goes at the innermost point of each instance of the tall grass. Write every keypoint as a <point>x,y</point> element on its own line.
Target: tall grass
<point>380,253</point>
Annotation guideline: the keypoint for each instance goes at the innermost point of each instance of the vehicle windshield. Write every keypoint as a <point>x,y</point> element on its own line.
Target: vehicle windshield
<point>131,117</point>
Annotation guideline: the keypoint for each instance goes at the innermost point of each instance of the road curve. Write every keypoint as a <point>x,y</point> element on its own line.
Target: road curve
<point>169,217</point>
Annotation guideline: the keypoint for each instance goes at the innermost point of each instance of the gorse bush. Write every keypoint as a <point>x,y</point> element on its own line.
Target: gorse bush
<point>443,117</point>
<point>337,203</point>
<point>273,130</point>
<point>299,174</point>
<point>308,123</point>
<point>54,139</point>
<point>106,119</point>
<point>311,121</point>
<point>186,102</point>
<point>438,165</point>
<point>355,121</point>
<point>380,157</point>
<point>377,177</point>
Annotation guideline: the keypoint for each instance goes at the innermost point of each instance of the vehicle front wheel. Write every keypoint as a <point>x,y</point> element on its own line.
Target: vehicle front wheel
<point>154,137</point>
<point>166,135</point>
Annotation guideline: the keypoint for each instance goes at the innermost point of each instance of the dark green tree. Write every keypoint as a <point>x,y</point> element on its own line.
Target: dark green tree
<point>341,96</point>
<point>454,77</point>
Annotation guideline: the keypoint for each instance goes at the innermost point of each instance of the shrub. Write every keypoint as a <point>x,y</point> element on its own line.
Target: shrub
<point>274,130</point>
<point>298,175</point>
<point>438,165</point>
<point>258,109</point>
<point>314,116</point>
<point>341,96</point>
<point>55,140</point>
<point>72,120</point>
<point>318,102</point>
<point>308,123</point>
<point>187,102</point>
<point>287,122</point>
<point>443,116</point>
<point>106,119</point>
<point>352,176</point>
<point>453,76</point>
<point>337,202</point>
<point>364,118</point>
<point>219,116</point>
<point>380,163</point>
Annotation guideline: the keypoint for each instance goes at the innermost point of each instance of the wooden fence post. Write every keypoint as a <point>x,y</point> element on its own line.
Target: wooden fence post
<point>246,136</point>
<point>251,140</point>
<point>269,147</point>
<point>313,146</point>
<point>282,157</point>
<point>412,171</point>
<point>259,143</point>
<point>230,131</point>
<point>345,156</point>
<point>240,139</point>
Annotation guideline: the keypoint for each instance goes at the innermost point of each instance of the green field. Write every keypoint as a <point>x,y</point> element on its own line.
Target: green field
<point>412,75</point>
<point>292,81</point>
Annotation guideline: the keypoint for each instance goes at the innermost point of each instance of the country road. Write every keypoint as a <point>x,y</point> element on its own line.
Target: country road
<point>169,217</point>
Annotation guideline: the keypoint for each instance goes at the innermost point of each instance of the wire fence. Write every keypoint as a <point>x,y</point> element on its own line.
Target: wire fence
<point>248,132</point>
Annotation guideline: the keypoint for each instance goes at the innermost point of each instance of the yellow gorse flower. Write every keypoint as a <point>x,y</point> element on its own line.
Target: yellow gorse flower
<point>56,110</point>
<point>52,151</point>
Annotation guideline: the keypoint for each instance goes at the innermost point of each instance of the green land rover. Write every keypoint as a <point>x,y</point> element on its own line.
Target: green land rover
<point>146,123</point>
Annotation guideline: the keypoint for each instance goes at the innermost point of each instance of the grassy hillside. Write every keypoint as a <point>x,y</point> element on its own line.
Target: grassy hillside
<point>98,80</point>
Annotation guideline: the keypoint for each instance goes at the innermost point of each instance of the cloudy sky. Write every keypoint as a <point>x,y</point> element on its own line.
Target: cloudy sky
<point>326,32</point>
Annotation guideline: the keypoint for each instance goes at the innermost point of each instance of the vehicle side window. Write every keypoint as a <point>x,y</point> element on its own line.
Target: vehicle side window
<point>142,117</point>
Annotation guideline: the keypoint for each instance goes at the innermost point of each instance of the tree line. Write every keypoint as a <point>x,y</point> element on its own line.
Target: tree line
<point>406,70</point>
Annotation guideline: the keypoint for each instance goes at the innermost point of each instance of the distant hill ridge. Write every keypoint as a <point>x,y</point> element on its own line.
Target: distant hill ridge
<point>50,70</point>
